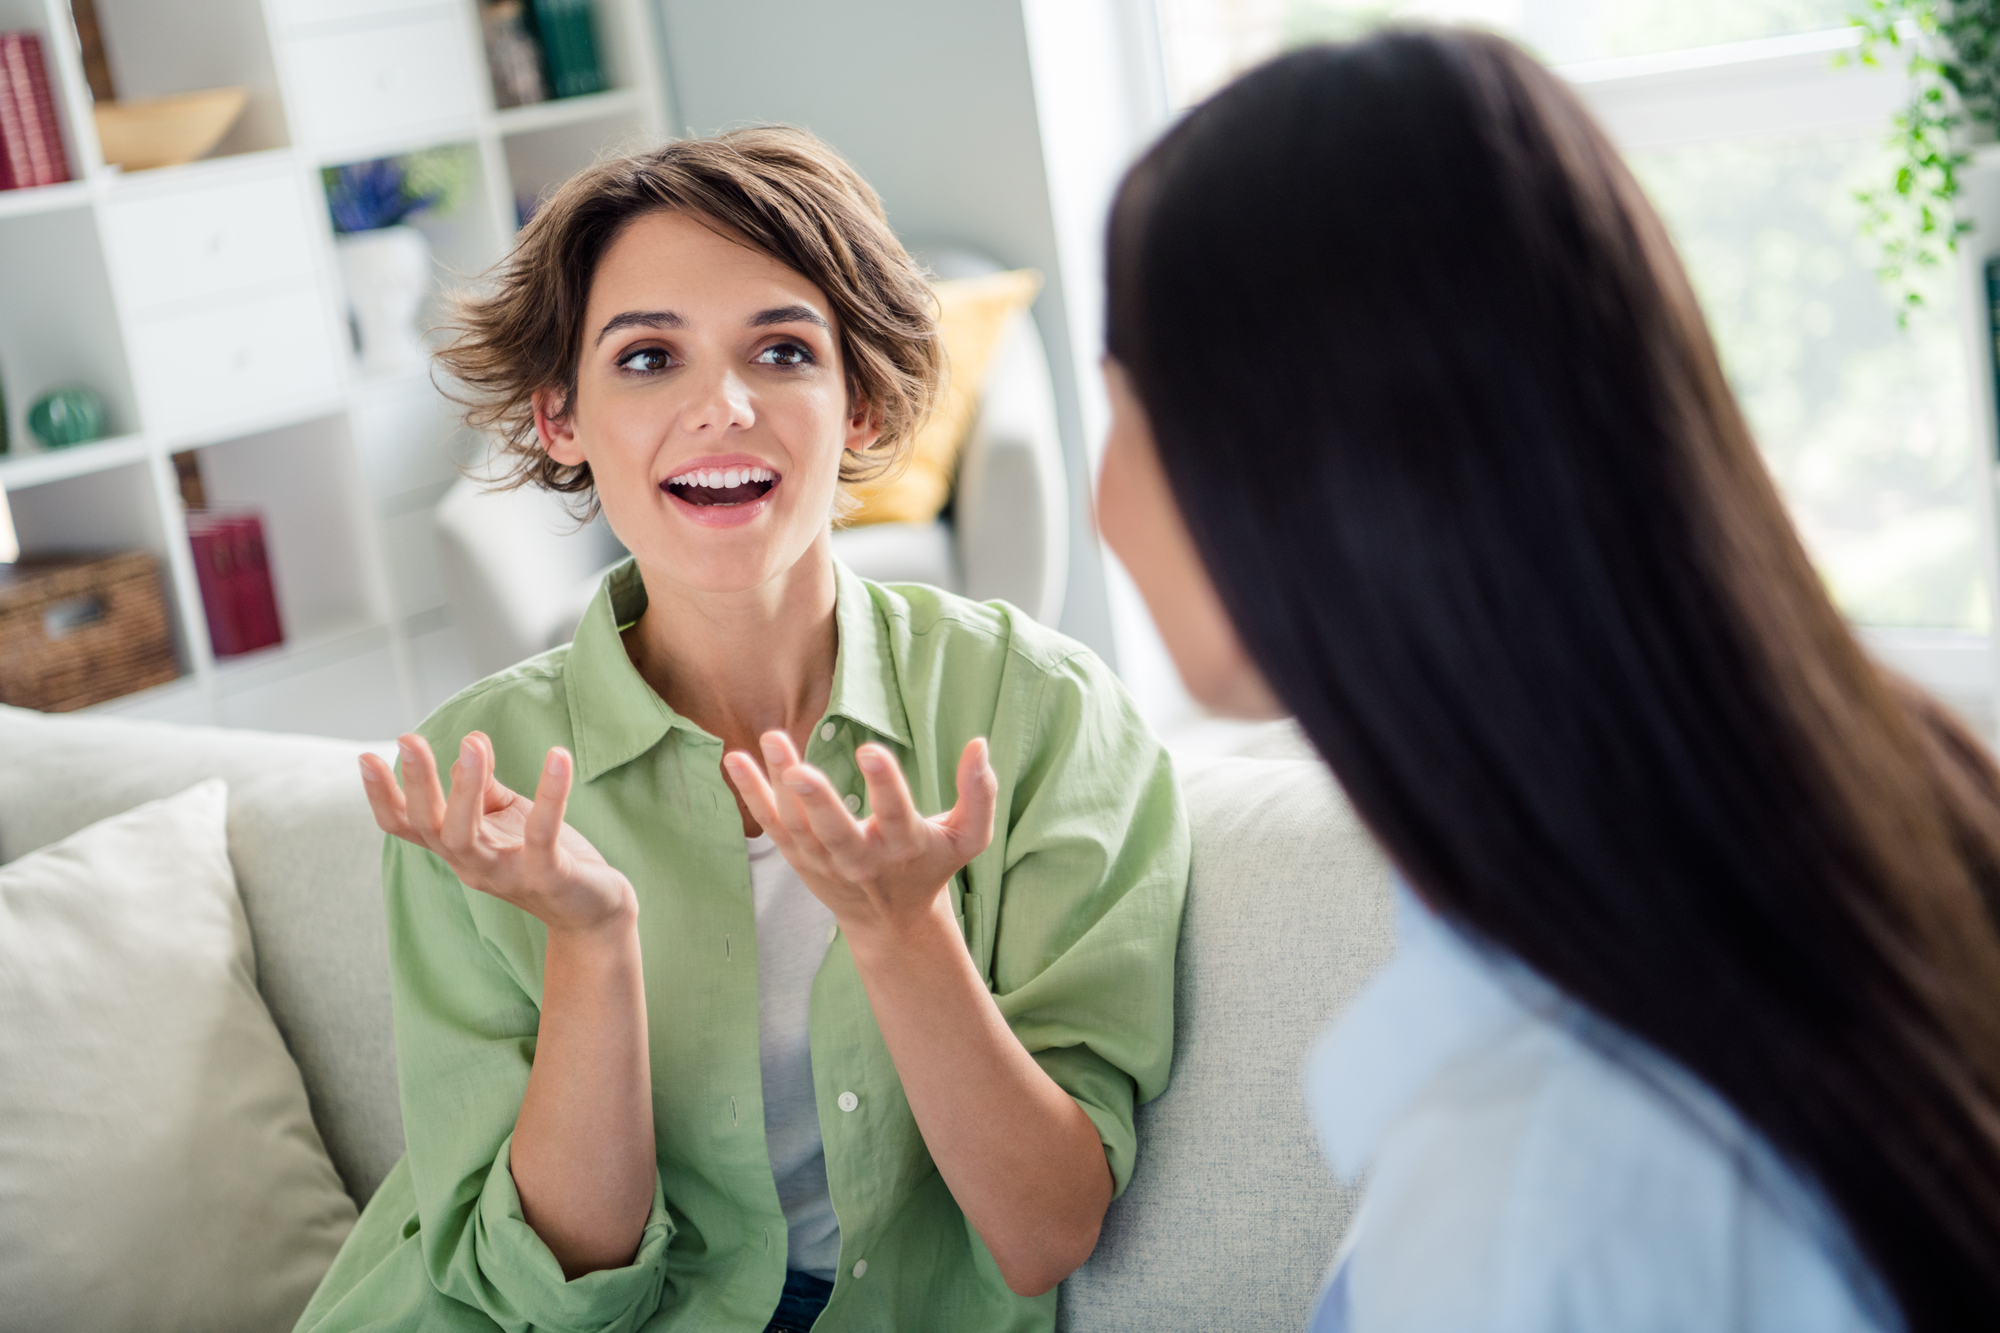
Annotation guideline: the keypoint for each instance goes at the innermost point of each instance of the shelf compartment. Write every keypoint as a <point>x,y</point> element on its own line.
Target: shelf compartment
<point>303,481</point>
<point>65,75</point>
<point>115,508</point>
<point>37,467</point>
<point>157,49</point>
<point>60,323</point>
<point>540,160</point>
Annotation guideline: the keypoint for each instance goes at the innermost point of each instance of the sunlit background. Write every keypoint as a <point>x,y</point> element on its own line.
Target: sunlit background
<point>1867,426</point>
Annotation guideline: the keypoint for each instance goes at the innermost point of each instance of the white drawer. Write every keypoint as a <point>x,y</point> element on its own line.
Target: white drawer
<point>219,366</point>
<point>381,80</point>
<point>205,241</point>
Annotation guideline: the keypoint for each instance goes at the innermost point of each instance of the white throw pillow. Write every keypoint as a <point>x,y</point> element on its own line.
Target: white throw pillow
<point>159,1168</point>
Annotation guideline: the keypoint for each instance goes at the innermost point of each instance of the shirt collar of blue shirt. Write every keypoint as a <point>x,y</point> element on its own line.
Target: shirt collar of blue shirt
<point>1440,998</point>
<point>615,716</point>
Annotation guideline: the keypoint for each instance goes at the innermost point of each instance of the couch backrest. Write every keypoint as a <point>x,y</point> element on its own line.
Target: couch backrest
<point>307,858</point>
<point>1230,1217</point>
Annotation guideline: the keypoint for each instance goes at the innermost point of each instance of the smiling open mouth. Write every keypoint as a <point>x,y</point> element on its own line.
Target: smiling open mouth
<point>722,486</point>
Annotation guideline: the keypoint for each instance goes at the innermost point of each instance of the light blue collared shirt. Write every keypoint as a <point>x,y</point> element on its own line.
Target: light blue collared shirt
<point>1532,1168</point>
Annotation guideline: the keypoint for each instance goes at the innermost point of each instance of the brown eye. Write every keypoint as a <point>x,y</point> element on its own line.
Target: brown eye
<point>784,354</point>
<point>644,360</point>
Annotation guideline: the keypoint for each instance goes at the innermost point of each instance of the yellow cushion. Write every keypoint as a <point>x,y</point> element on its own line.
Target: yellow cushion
<point>973,313</point>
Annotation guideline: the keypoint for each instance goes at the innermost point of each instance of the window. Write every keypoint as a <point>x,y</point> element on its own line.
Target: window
<point>1751,143</point>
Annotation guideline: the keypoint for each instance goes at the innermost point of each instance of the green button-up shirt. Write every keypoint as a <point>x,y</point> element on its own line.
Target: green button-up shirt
<point>1072,915</point>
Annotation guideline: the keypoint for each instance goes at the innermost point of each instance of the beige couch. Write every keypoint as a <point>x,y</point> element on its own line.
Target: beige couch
<point>1230,1217</point>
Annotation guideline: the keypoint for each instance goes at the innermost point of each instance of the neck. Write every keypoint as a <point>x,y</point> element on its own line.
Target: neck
<point>740,664</point>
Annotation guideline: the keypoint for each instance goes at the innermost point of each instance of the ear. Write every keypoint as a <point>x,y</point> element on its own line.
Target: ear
<point>556,427</point>
<point>864,424</point>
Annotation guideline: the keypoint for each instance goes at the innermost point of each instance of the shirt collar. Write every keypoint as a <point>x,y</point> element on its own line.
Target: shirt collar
<point>1439,999</point>
<point>615,716</point>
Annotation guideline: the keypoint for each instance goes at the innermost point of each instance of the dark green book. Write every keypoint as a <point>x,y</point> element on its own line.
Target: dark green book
<point>567,32</point>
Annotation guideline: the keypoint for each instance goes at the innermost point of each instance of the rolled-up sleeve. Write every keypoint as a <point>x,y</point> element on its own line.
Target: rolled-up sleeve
<point>1093,884</point>
<point>465,1041</point>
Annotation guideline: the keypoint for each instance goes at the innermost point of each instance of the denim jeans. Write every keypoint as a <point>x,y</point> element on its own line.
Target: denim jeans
<point>803,1299</point>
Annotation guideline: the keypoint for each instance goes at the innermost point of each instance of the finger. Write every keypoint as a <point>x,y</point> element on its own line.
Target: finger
<point>422,795</point>
<point>756,794</point>
<point>895,810</point>
<point>385,798</point>
<point>545,816</point>
<point>465,808</point>
<point>496,795</point>
<point>970,822</point>
<point>809,803</point>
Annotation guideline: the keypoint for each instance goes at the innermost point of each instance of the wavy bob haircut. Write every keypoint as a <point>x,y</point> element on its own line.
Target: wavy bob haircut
<point>780,191</point>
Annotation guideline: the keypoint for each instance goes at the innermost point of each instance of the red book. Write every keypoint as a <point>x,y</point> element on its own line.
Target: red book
<point>214,559</point>
<point>256,600</point>
<point>235,575</point>
<point>31,151</point>
<point>16,168</point>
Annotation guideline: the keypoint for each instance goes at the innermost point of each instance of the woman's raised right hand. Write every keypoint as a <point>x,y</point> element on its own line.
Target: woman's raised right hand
<point>498,841</point>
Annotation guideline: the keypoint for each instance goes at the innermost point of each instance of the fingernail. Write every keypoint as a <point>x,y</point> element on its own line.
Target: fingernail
<point>466,752</point>
<point>871,760</point>
<point>773,752</point>
<point>554,766</point>
<point>367,773</point>
<point>802,787</point>
<point>408,751</point>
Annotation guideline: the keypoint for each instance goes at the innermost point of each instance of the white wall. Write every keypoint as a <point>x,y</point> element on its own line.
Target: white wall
<point>939,106</point>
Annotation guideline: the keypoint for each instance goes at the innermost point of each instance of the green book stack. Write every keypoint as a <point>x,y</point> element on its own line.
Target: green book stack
<point>569,47</point>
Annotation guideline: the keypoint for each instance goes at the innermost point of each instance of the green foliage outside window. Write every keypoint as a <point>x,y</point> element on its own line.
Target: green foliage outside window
<point>1953,54</point>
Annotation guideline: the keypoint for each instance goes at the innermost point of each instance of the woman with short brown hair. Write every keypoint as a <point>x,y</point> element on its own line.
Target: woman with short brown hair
<point>820,976</point>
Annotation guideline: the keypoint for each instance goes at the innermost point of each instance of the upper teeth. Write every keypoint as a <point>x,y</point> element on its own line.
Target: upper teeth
<point>722,478</point>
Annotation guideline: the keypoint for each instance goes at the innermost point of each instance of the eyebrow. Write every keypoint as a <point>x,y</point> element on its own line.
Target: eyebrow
<point>641,319</point>
<point>786,314</point>
<point>667,319</point>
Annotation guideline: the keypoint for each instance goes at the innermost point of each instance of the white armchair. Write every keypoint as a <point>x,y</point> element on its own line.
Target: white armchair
<point>521,572</point>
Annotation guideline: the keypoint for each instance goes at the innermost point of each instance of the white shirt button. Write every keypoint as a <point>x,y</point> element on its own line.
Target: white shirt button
<point>861,1268</point>
<point>853,803</point>
<point>826,730</point>
<point>847,1101</point>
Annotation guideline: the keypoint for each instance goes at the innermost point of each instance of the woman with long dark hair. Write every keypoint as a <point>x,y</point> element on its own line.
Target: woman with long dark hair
<point>1419,436</point>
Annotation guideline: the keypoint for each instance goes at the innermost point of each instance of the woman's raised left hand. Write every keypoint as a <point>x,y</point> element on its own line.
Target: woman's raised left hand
<point>881,873</point>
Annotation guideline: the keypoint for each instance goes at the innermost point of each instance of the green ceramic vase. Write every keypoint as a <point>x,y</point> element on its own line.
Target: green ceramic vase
<point>66,416</point>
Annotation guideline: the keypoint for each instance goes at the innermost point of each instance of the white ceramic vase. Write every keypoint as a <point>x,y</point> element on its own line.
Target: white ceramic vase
<point>387,272</point>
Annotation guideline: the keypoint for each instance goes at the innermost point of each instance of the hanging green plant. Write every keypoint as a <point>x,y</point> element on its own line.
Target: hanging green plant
<point>1951,50</point>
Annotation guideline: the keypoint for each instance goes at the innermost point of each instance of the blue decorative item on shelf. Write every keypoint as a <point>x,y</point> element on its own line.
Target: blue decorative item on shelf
<point>69,415</point>
<point>367,196</point>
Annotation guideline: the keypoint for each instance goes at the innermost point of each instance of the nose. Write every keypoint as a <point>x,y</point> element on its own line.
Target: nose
<point>720,403</point>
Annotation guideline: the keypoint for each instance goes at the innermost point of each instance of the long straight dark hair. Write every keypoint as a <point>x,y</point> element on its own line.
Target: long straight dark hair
<point>1435,398</point>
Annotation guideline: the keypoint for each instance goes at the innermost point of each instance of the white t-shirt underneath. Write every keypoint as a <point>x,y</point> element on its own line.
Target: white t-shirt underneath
<point>793,931</point>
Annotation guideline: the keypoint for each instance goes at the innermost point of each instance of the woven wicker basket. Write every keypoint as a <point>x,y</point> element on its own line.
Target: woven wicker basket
<point>78,630</point>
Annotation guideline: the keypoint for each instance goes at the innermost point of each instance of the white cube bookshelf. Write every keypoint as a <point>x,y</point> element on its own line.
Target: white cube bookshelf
<point>204,303</point>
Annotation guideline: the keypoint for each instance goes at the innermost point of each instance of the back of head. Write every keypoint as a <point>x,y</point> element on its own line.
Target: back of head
<point>1442,415</point>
